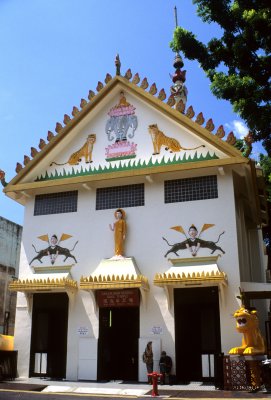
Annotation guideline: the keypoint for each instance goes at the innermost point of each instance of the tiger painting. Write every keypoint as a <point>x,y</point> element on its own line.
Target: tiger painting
<point>159,139</point>
<point>85,151</point>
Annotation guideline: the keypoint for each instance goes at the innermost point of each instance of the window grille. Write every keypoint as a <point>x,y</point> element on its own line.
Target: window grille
<point>56,203</point>
<point>191,189</point>
<point>120,197</point>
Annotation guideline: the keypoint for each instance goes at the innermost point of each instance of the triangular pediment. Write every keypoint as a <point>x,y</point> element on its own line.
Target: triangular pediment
<point>123,131</point>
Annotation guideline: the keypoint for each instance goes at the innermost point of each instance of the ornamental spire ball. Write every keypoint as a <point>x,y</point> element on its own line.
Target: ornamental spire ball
<point>178,89</point>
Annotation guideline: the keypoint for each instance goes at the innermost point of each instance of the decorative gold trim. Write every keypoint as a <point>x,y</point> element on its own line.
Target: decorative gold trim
<point>41,285</point>
<point>192,278</point>
<point>194,261</point>
<point>113,282</point>
<point>53,270</point>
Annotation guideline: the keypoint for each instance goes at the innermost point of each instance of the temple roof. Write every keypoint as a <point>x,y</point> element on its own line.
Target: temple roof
<point>25,182</point>
<point>150,92</point>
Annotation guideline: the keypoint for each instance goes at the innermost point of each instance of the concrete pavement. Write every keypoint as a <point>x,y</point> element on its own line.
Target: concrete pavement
<point>124,389</point>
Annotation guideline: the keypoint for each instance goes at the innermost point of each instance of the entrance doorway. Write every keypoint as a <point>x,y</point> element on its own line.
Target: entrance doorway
<point>118,343</point>
<point>49,335</point>
<point>197,333</point>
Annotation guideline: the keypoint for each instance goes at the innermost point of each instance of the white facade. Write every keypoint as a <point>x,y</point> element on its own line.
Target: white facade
<point>234,211</point>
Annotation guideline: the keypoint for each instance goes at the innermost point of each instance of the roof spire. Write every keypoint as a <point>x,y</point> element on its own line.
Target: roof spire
<point>176,17</point>
<point>178,89</point>
<point>117,64</point>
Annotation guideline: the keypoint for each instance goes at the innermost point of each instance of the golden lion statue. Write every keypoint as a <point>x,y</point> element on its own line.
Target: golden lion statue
<point>247,322</point>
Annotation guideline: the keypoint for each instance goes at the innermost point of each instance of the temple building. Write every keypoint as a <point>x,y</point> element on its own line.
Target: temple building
<point>142,221</point>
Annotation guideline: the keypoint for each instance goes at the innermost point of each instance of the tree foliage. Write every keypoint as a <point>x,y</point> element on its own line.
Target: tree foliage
<point>238,63</point>
<point>265,163</point>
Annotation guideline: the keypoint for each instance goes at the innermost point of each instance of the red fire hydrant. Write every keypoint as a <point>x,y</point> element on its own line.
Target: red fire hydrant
<point>155,375</point>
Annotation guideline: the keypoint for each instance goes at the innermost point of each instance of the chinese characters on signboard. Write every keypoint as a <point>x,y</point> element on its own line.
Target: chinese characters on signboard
<point>118,298</point>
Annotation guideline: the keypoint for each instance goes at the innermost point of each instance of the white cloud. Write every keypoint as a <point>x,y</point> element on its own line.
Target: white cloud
<point>238,127</point>
<point>240,130</point>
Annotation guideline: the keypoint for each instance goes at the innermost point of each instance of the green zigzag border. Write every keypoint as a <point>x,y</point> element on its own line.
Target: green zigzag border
<point>132,165</point>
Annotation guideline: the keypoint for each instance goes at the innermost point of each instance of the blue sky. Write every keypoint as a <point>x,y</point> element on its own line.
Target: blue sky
<point>54,51</point>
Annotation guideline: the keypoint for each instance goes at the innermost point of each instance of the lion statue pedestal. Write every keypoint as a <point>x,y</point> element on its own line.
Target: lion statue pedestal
<point>243,372</point>
<point>244,363</point>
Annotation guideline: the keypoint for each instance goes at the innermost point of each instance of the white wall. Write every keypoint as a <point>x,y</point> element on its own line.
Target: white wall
<point>146,227</point>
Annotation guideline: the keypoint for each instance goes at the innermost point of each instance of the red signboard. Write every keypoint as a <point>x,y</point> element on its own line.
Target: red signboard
<point>118,298</point>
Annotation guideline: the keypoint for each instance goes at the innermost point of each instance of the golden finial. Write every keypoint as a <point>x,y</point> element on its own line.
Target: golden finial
<point>42,144</point>
<point>210,125</point>
<point>153,89</point>
<point>171,101</point>
<point>33,152</point>
<point>58,127</point>
<point>99,86</point>
<point>190,112</point>
<point>248,140</point>
<point>91,94</point>
<point>128,74</point>
<point>18,168</point>
<point>107,78</point>
<point>180,106</point>
<point>66,119</point>
<point>220,132</point>
<point>144,84</point>
<point>136,79</point>
<point>162,95</point>
<point>26,160</point>
<point>50,136</point>
<point>231,139</point>
<point>75,111</point>
<point>200,119</point>
<point>83,103</point>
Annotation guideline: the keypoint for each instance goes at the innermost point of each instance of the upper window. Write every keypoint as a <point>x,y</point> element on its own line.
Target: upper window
<point>120,197</point>
<point>190,189</point>
<point>56,203</point>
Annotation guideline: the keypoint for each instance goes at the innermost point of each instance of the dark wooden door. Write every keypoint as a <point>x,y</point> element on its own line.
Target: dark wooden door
<point>197,330</point>
<point>118,343</point>
<point>49,335</point>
